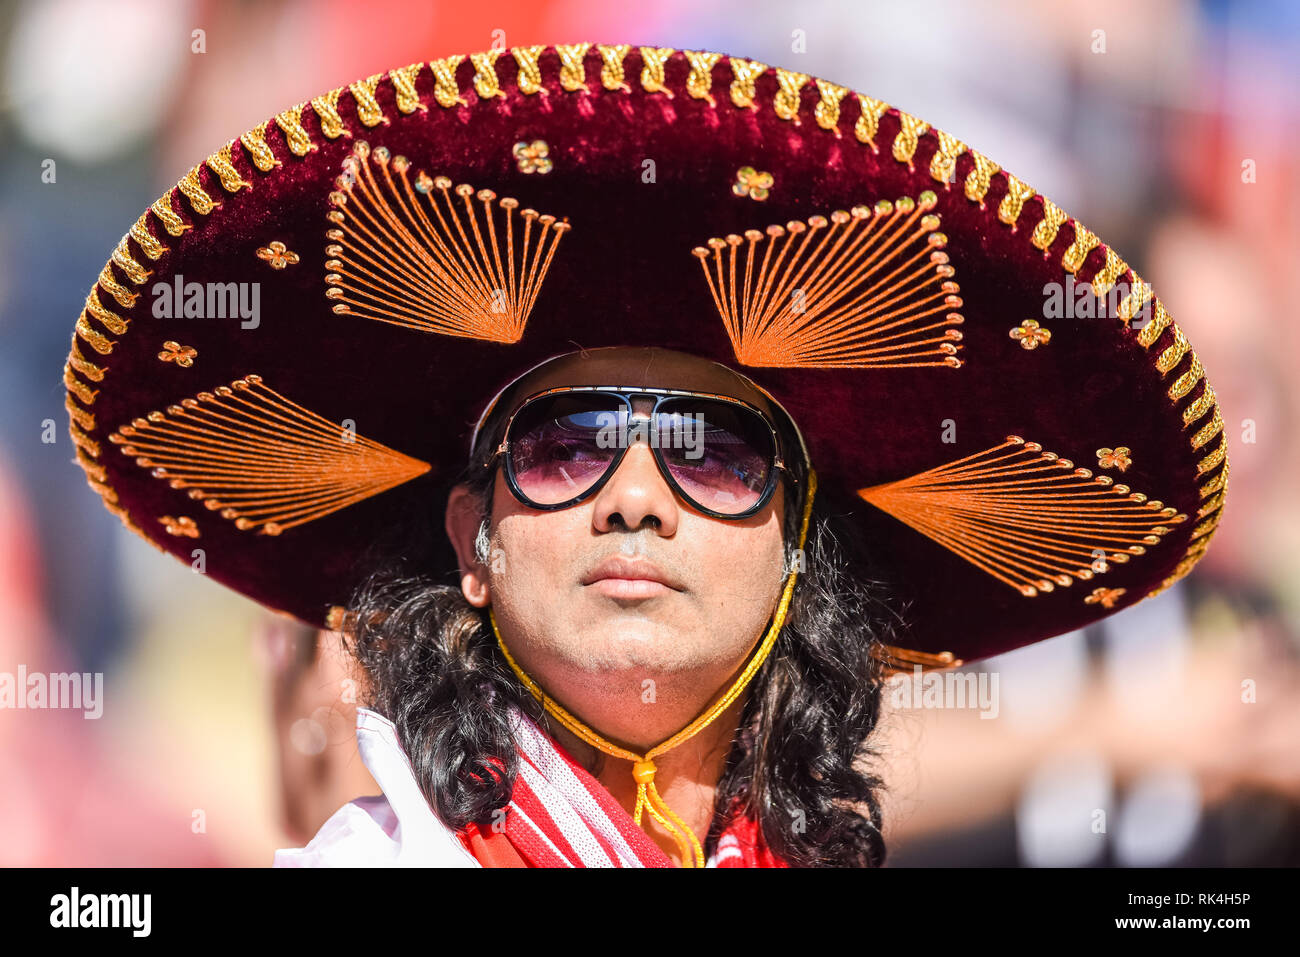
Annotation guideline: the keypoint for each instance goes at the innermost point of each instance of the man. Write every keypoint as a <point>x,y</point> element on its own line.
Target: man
<point>641,624</point>
<point>632,608</point>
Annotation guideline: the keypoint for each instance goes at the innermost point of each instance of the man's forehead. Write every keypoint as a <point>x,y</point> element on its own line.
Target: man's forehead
<point>649,367</point>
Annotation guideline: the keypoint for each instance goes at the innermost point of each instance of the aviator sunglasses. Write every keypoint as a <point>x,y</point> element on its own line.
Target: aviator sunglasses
<point>719,453</point>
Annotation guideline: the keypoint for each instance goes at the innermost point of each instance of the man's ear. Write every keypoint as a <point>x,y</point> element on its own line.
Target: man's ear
<point>463,518</point>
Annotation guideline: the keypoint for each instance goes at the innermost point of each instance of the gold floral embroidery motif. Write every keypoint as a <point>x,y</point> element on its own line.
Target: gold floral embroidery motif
<point>1106,597</point>
<point>1118,458</point>
<point>750,182</point>
<point>259,459</point>
<point>532,157</point>
<point>173,351</point>
<point>1030,334</point>
<point>1027,517</point>
<point>183,526</point>
<point>422,255</point>
<point>863,287</point>
<point>277,255</point>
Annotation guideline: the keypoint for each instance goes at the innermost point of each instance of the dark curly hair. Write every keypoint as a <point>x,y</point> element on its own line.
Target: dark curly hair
<point>799,762</point>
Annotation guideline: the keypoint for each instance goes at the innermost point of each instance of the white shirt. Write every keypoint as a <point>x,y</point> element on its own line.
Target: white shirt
<point>399,829</point>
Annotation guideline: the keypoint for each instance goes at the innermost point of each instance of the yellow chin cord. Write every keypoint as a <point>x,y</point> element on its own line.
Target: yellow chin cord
<point>643,766</point>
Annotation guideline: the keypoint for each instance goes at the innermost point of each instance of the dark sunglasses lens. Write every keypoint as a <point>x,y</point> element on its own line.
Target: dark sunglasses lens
<point>559,445</point>
<point>720,454</point>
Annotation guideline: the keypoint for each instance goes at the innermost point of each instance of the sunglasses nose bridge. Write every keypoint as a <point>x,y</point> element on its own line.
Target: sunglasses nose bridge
<point>635,488</point>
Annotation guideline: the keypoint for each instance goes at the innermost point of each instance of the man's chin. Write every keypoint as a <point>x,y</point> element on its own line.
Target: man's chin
<point>624,642</point>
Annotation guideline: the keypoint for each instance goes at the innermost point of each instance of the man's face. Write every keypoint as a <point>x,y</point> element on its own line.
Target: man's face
<point>637,659</point>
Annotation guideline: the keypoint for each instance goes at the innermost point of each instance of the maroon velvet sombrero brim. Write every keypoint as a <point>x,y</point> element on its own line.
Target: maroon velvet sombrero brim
<point>1021,472</point>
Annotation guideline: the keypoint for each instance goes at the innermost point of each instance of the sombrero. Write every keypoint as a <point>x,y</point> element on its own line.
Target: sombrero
<point>288,350</point>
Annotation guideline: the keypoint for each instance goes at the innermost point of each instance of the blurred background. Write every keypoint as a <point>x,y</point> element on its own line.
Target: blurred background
<point>1168,127</point>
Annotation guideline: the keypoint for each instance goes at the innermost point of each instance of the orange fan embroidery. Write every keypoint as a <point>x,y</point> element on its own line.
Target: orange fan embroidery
<point>1025,516</point>
<point>423,255</point>
<point>261,460</point>
<point>860,288</point>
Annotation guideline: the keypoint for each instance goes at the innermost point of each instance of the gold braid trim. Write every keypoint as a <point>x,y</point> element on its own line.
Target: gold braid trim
<point>1187,381</point>
<point>403,80</point>
<point>91,371</point>
<point>363,94</point>
<point>827,111</point>
<point>171,220</point>
<point>611,66</point>
<point>1054,218</point>
<point>1174,354</point>
<point>1014,201</point>
<point>145,239</point>
<point>1213,492</point>
<point>789,87</point>
<point>652,69</point>
<point>94,471</point>
<point>125,297</point>
<point>327,109</point>
<point>1215,484</point>
<point>1209,430</point>
<point>980,177</point>
<point>743,75</point>
<point>1084,243</point>
<point>122,258</point>
<point>943,164</point>
<point>1199,406</point>
<point>573,70</point>
<point>486,83</point>
<point>95,340</point>
<point>868,124</point>
<point>79,389</point>
<point>221,164</point>
<point>258,151</point>
<point>79,415</point>
<point>699,83</point>
<point>1139,295</point>
<point>110,320</point>
<point>1154,329</point>
<point>908,138</point>
<point>191,186</point>
<point>84,440</point>
<point>445,90</point>
<point>295,134</point>
<point>104,491</point>
<point>529,77</point>
<point>1213,459</point>
<point>1109,274</point>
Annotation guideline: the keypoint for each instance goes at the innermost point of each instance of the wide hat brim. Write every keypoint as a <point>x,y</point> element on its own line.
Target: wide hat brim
<point>1020,473</point>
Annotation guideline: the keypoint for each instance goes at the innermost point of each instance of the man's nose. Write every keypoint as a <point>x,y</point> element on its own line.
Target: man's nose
<point>636,494</point>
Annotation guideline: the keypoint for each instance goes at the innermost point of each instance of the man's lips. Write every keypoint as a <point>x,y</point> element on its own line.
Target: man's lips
<point>620,577</point>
